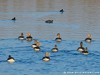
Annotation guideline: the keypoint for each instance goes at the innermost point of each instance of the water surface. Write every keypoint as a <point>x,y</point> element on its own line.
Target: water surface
<point>80,17</point>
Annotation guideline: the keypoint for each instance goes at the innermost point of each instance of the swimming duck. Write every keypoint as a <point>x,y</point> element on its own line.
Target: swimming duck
<point>89,38</point>
<point>37,48</point>
<point>81,48</point>
<point>49,21</point>
<point>58,39</point>
<point>46,58</point>
<point>10,59</point>
<point>85,52</point>
<point>34,45</point>
<point>55,49</point>
<point>21,37</point>
<point>13,19</point>
<point>61,11</point>
<point>29,37</point>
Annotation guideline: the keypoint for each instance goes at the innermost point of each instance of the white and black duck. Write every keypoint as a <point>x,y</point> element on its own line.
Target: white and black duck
<point>89,38</point>
<point>46,58</point>
<point>81,48</point>
<point>10,59</point>
<point>58,39</point>
<point>21,37</point>
<point>29,37</point>
<point>55,49</point>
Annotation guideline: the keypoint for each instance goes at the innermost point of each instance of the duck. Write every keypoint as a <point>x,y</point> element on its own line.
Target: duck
<point>10,59</point>
<point>37,48</point>
<point>34,45</point>
<point>85,52</point>
<point>46,58</point>
<point>89,38</point>
<point>29,37</point>
<point>58,39</point>
<point>13,19</point>
<point>62,10</point>
<point>21,37</point>
<point>55,49</point>
<point>81,48</point>
<point>49,21</point>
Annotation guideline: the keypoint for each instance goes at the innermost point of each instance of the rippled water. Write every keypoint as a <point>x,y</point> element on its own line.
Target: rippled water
<point>67,59</point>
<point>80,18</point>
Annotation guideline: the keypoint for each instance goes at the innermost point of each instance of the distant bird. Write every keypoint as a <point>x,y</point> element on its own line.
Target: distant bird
<point>81,48</point>
<point>10,59</point>
<point>55,49</point>
<point>61,11</point>
<point>46,58</point>
<point>13,19</point>
<point>34,45</point>
<point>37,48</point>
<point>85,52</point>
<point>89,38</point>
<point>58,39</point>
<point>29,37</point>
<point>49,21</point>
<point>21,37</point>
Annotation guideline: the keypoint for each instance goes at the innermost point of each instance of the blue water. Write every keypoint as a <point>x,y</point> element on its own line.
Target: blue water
<point>80,18</point>
<point>67,59</point>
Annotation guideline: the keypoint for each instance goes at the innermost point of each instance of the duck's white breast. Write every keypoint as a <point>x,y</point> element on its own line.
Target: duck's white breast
<point>34,46</point>
<point>46,59</point>
<point>54,50</point>
<point>11,60</point>
<point>80,50</point>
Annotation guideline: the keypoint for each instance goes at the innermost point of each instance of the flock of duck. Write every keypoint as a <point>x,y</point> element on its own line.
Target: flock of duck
<point>36,45</point>
<point>81,48</point>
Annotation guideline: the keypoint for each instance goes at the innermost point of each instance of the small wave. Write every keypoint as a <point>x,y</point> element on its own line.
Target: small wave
<point>25,61</point>
<point>2,61</point>
<point>8,39</point>
<point>95,53</point>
